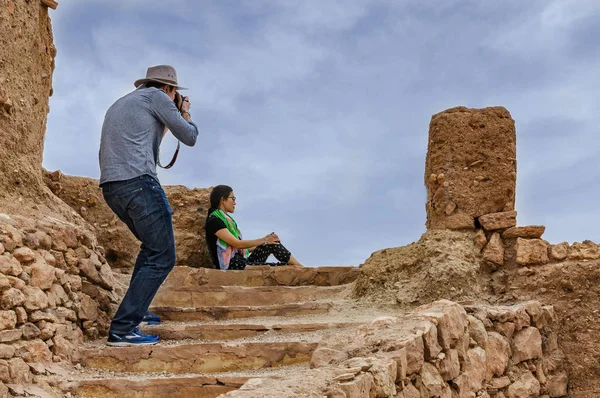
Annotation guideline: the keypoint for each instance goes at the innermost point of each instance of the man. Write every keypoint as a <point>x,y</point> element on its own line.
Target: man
<point>131,135</point>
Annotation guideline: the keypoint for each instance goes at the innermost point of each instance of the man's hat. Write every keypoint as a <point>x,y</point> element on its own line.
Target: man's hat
<point>160,73</point>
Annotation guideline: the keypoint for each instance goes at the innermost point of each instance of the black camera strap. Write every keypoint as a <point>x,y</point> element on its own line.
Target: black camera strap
<point>174,159</point>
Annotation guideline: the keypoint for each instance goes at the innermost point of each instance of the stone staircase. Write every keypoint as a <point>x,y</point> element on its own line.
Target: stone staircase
<point>221,328</point>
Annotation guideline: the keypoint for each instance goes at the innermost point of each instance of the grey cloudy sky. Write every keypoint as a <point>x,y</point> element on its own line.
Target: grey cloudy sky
<point>316,112</point>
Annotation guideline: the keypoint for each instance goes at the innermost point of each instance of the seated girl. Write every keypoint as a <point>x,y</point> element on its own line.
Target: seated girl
<point>227,248</point>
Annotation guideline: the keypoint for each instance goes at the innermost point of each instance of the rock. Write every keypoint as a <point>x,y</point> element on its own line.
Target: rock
<point>21,315</point>
<point>560,251</point>
<point>476,138</point>
<point>433,382</point>
<point>409,391</point>
<point>44,239</point>
<point>430,343</point>
<point>60,296</point>
<point>449,366</point>
<point>587,250</point>
<point>451,319</point>
<point>42,276</point>
<point>4,373</point>
<point>24,255</point>
<point>107,280</point>
<point>450,208</point>
<point>323,356</point>
<point>6,351</point>
<point>37,368</point>
<point>11,298</point>
<point>19,371</point>
<point>4,283</point>
<point>529,232</point>
<point>88,309</point>
<point>35,298</point>
<point>498,353</point>
<point>359,387</point>
<point>1,249</point>
<point>494,251</point>
<point>8,320</point>
<point>526,386</point>
<point>496,221</point>
<point>384,377</point>
<point>477,331</point>
<point>557,385</point>
<point>527,344</point>
<point>63,348</point>
<point>531,251</point>
<point>16,283</point>
<point>8,336</point>
<point>33,351</point>
<point>499,383</point>
<point>506,329</point>
<point>415,355</point>
<point>10,266</point>
<point>475,368</point>
<point>480,239</point>
<point>31,241</point>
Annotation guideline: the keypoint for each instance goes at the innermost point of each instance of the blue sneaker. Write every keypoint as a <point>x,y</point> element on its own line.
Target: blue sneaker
<point>151,319</point>
<point>131,339</point>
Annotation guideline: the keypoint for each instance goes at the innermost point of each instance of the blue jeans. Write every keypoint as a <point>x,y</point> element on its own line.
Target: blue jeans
<point>142,204</point>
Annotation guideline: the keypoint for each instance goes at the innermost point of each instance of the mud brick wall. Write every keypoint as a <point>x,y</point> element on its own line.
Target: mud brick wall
<point>470,169</point>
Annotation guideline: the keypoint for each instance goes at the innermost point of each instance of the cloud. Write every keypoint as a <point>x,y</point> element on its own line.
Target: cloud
<point>317,112</point>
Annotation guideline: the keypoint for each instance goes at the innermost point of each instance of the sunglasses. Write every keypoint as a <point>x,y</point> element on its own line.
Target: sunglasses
<point>231,197</point>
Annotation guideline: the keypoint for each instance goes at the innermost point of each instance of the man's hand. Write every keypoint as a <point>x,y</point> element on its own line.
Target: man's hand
<point>186,104</point>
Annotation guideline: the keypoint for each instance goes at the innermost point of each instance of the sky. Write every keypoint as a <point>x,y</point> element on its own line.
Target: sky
<point>316,112</point>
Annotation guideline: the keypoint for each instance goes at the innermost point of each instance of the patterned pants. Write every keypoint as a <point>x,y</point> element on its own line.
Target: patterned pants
<point>259,257</point>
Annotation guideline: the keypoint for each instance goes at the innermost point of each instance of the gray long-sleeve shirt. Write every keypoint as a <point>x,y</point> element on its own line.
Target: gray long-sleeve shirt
<point>133,130</point>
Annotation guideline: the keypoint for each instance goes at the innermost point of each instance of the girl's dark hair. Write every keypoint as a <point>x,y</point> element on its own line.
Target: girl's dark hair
<point>219,192</point>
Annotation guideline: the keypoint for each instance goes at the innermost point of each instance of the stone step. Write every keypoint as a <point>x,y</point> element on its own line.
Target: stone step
<point>199,357</point>
<point>210,295</point>
<point>146,385</point>
<point>262,276</point>
<point>232,312</point>
<point>178,331</point>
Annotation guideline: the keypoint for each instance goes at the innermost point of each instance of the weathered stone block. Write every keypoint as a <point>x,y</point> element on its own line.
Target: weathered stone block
<point>498,353</point>
<point>557,385</point>
<point>560,251</point>
<point>494,250</point>
<point>587,250</point>
<point>528,232</point>
<point>531,251</point>
<point>323,356</point>
<point>527,386</point>
<point>359,387</point>
<point>42,276</point>
<point>496,221</point>
<point>449,366</point>
<point>527,344</point>
<point>8,320</point>
<point>477,331</point>
<point>384,377</point>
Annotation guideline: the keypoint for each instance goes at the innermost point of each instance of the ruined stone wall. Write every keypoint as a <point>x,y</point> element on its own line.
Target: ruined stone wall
<point>56,290</point>
<point>189,206</point>
<point>470,168</point>
<point>441,350</point>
